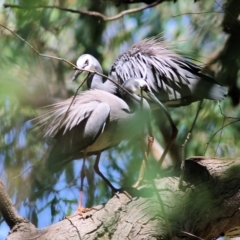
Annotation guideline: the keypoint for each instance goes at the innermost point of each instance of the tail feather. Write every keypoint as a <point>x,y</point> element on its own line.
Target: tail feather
<point>205,89</point>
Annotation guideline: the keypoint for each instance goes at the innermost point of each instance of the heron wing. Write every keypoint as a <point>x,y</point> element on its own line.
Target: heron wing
<point>65,115</point>
<point>71,141</point>
<point>170,76</point>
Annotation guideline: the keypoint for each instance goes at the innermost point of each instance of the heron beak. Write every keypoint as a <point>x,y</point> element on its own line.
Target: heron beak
<point>153,99</point>
<point>76,74</point>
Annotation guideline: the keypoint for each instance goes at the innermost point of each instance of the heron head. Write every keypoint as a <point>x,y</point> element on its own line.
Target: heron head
<point>86,62</point>
<point>136,86</point>
<point>140,87</point>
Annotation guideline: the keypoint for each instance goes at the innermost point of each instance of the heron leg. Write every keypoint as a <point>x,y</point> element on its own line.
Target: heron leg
<point>114,190</point>
<point>82,177</point>
<point>96,169</point>
<point>144,162</point>
<point>173,135</point>
<point>141,174</point>
<point>185,143</point>
<point>80,210</point>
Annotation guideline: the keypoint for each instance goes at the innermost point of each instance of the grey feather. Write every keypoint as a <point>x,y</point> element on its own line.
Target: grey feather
<point>174,80</point>
<point>96,120</point>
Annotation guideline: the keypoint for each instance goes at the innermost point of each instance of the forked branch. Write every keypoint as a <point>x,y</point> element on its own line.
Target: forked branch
<point>89,13</point>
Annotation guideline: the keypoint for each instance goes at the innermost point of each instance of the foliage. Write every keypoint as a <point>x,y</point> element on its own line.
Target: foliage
<point>28,80</point>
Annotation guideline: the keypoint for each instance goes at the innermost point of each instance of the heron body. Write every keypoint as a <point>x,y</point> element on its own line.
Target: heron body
<point>175,81</point>
<point>97,120</point>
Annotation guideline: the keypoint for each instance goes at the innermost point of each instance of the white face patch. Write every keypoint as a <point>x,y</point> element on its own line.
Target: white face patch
<point>141,93</point>
<point>84,62</point>
<point>142,85</point>
<point>138,91</point>
<point>145,95</point>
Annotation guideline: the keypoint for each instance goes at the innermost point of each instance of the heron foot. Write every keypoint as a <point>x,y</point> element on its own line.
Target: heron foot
<point>130,192</point>
<point>127,194</point>
<point>80,211</point>
<point>150,141</point>
<point>140,182</point>
<point>137,183</point>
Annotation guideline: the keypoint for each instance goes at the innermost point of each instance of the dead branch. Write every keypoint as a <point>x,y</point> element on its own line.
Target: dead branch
<point>8,210</point>
<point>89,13</point>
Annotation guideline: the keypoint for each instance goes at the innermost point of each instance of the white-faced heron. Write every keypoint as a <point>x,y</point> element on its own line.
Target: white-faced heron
<point>96,120</point>
<point>174,80</point>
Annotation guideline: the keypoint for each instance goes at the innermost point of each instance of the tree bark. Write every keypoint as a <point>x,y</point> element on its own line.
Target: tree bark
<point>206,207</point>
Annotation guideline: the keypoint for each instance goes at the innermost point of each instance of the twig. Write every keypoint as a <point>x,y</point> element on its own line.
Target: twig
<point>234,120</point>
<point>192,235</point>
<point>220,129</point>
<point>225,10</point>
<point>90,13</point>
<point>68,62</point>
<point>195,13</point>
<point>36,51</point>
<point>224,119</point>
<point>75,94</point>
<point>185,143</point>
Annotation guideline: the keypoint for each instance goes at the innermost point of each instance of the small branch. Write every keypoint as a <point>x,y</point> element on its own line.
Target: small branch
<point>195,13</point>
<point>68,62</point>
<point>220,129</point>
<point>8,210</point>
<point>89,13</point>
<point>234,120</point>
<point>192,235</point>
<point>66,113</point>
<point>36,51</point>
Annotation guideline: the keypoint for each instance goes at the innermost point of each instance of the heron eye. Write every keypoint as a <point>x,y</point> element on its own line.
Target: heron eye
<point>145,88</point>
<point>87,62</point>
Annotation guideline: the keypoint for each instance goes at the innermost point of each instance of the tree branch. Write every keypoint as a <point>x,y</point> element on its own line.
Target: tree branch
<point>68,62</point>
<point>207,208</point>
<point>8,210</point>
<point>89,13</point>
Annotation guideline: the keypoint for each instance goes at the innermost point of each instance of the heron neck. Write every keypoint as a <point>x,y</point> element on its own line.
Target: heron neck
<point>96,82</point>
<point>136,103</point>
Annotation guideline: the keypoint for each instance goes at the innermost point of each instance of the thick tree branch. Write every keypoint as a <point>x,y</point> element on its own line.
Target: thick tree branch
<point>206,208</point>
<point>7,209</point>
<point>89,13</point>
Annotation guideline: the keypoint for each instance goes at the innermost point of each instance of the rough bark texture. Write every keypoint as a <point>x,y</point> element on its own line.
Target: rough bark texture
<point>207,207</point>
<point>7,209</point>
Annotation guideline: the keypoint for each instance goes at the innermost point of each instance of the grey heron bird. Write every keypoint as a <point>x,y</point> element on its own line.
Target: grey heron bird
<point>174,80</point>
<point>95,121</point>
